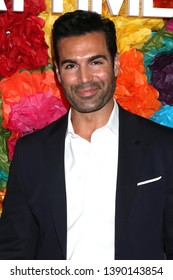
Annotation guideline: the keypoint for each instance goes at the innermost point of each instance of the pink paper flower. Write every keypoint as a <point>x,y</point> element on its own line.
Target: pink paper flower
<point>32,113</point>
<point>169,26</point>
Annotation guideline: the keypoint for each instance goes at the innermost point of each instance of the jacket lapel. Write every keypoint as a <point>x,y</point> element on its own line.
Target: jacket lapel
<point>54,157</point>
<point>130,154</point>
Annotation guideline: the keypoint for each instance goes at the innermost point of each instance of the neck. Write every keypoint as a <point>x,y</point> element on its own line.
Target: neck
<point>84,124</point>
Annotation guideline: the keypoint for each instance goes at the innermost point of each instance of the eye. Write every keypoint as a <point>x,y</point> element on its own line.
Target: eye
<point>70,66</point>
<point>97,62</point>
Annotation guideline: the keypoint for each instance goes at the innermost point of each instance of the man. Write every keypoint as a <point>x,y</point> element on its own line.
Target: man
<point>97,183</point>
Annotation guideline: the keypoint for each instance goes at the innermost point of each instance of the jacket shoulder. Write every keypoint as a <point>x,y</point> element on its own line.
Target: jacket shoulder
<point>147,127</point>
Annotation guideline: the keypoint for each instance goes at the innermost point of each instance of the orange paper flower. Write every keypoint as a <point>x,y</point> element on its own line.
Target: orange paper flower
<point>133,91</point>
<point>2,194</point>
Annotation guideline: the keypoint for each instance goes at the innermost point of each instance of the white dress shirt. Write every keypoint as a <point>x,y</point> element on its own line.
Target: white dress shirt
<point>91,176</point>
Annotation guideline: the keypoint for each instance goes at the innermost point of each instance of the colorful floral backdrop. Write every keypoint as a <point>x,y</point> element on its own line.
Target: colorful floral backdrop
<point>30,96</point>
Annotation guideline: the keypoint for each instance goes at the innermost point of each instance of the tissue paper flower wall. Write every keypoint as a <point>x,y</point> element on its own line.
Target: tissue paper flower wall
<point>30,95</point>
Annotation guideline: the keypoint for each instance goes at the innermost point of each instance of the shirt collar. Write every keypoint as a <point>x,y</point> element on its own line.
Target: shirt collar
<point>112,123</point>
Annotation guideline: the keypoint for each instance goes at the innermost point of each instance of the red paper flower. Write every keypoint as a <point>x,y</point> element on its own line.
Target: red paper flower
<point>22,42</point>
<point>11,142</point>
<point>163,3</point>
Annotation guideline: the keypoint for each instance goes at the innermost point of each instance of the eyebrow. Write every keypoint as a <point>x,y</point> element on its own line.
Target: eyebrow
<point>97,57</point>
<point>90,59</point>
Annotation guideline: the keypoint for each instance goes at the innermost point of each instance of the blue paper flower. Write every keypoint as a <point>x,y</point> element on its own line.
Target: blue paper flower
<point>164,116</point>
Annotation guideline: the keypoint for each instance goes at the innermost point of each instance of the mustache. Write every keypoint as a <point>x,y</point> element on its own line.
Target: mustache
<point>87,86</point>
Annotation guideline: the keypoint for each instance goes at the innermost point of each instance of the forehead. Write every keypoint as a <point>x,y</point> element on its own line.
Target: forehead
<point>83,45</point>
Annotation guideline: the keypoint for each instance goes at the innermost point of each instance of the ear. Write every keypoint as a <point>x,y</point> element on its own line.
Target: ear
<point>117,64</point>
<point>57,72</point>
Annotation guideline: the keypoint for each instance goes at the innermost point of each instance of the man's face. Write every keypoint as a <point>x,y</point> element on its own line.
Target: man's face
<point>86,71</point>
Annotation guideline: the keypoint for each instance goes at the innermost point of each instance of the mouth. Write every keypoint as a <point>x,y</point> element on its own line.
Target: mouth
<point>87,90</point>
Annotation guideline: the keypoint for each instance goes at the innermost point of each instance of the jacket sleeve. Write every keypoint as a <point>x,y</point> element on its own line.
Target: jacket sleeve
<point>18,228</point>
<point>168,219</point>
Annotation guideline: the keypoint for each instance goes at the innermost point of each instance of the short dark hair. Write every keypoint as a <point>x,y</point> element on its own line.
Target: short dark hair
<point>81,22</point>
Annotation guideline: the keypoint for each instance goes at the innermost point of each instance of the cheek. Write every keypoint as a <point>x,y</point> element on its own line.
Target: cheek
<point>105,77</point>
<point>105,74</point>
<point>68,80</point>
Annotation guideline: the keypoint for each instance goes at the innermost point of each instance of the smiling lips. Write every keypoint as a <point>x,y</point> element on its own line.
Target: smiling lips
<point>87,90</point>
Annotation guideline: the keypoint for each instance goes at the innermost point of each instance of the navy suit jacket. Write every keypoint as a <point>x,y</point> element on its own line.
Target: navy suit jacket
<point>34,220</point>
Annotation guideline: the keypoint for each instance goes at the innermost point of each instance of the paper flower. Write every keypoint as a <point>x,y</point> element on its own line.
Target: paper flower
<point>3,179</point>
<point>34,112</point>
<point>11,142</point>
<point>25,84</point>
<point>133,32</point>
<point>4,135</point>
<point>162,76</point>
<point>164,116</point>
<point>22,42</point>
<point>160,42</point>
<point>169,25</point>
<point>163,3</point>
<point>4,161</point>
<point>2,194</point>
<point>133,91</point>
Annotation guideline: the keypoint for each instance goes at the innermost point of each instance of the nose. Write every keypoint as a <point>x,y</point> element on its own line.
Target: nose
<point>85,74</point>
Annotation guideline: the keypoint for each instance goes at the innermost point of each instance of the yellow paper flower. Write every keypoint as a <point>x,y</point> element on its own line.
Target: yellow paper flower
<point>134,32</point>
